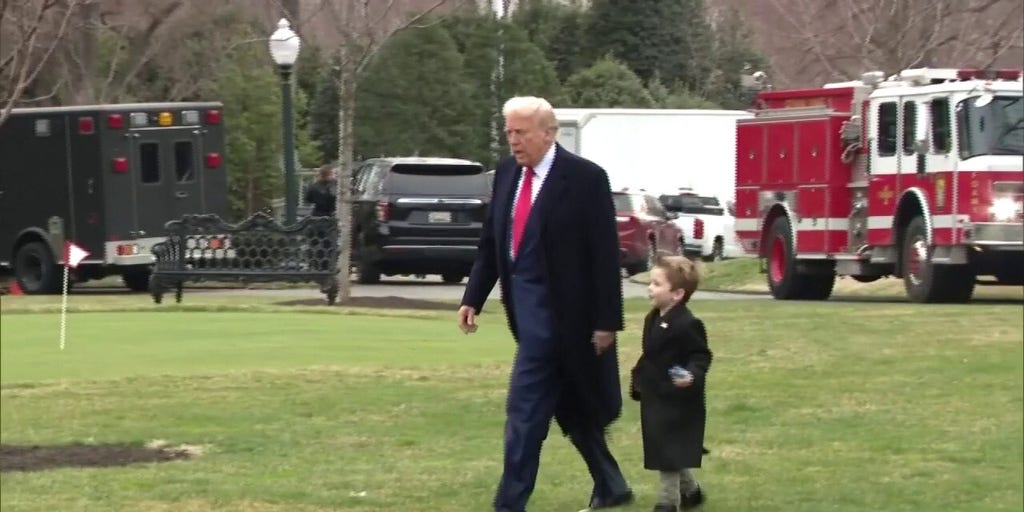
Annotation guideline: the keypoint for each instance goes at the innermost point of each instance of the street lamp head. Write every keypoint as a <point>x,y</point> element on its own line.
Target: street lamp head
<point>284,45</point>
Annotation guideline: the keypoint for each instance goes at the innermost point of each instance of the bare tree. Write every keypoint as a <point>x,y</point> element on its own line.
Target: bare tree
<point>813,41</point>
<point>30,32</point>
<point>364,27</point>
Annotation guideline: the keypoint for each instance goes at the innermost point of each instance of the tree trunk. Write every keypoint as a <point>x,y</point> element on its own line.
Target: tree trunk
<point>346,113</point>
<point>82,54</point>
<point>250,195</point>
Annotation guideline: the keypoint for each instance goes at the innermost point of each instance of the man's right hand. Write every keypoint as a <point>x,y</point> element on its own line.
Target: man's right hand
<point>467,319</point>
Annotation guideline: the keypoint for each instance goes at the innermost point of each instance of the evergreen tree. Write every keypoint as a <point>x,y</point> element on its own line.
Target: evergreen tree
<point>413,98</point>
<point>477,38</point>
<point>607,84</point>
<point>252,107</point>
<point>559,31</point>
<point>670,37</point>
<point>525,72</point>
<point>323,113</point>
<point>251,93</point>
<point>676,98</point>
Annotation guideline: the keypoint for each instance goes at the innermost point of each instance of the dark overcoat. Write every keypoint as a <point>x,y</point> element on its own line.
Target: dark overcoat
<point>672,418</point>
<point>579,245</point>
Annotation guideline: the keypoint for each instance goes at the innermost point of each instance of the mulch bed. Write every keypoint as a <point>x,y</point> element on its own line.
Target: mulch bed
<point>40,458</point>
<point>390,302</point>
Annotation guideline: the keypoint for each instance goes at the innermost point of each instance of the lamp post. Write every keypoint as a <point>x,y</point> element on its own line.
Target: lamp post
<point>284,49</point>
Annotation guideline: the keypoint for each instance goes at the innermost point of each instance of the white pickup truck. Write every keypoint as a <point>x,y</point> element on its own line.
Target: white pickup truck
<point>709,228</point>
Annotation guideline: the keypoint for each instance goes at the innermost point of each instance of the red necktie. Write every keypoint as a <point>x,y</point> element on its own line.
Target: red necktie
<point>522,211</point>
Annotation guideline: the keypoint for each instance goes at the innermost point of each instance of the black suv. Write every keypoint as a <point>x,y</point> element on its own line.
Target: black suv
<point>417,216</point>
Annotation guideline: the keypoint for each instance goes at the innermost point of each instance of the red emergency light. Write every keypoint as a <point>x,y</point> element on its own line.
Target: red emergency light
<point>86,125</point>
<point>988,74</point>
<point>120,165</point>
<point>213,160</point>
<point>213,116</point>
<point>115,121</point>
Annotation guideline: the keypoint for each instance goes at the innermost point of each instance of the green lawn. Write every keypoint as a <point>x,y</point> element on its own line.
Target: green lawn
<point>813,406</point>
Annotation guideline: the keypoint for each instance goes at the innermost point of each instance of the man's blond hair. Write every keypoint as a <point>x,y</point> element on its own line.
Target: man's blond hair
<point>682,273</point>
<point>532,106</point>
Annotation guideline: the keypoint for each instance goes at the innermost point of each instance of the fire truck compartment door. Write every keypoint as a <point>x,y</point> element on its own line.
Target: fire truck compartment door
<point>167,171</point>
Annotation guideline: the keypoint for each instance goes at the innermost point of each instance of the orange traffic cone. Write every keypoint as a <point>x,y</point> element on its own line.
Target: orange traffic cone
<point>15,289</point>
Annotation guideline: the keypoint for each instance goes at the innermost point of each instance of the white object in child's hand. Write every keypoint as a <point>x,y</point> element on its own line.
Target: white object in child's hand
<point>678,372</point>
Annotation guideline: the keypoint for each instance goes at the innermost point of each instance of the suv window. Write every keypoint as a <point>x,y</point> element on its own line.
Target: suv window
<point>697,205</point>
<point>438,179</point>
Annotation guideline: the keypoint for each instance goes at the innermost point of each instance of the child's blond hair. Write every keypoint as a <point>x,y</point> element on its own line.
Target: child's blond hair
<point>682,273</point>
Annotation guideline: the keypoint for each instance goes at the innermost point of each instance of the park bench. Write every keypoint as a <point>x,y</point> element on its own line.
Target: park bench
<point>257,250</point>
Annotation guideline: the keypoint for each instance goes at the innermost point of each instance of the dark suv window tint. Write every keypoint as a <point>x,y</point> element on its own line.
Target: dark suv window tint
<point>438,179</point>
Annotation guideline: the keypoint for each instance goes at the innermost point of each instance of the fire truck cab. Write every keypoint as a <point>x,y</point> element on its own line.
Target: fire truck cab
<point>919,175</point>
<point>106,177</point>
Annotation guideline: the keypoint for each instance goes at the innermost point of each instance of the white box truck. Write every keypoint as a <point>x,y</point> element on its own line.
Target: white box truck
<point>658,150</point>
<point>667,153</point>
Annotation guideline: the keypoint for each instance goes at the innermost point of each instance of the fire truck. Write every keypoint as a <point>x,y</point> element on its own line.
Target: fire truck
<point>919,175</point>
<point>106,177</point>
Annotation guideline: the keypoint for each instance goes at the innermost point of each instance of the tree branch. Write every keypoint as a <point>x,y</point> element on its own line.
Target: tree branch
<point>24,75</point>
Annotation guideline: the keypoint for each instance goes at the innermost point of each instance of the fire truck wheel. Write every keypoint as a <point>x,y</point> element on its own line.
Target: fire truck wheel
<point>783,280</point>
<point>925,281</point>
<point>35,269</point>
<point>136,280</point>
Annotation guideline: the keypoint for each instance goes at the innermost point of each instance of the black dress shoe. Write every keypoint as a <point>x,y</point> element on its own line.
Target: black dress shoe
<point>615,501</point>
<point>691,500</point>
<point>663,507</point>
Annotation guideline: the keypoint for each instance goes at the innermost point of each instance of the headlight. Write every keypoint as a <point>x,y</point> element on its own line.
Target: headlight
<point>1004,209</point>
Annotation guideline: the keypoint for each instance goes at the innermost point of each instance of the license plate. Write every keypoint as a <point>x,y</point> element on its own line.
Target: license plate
<point>439,217</point>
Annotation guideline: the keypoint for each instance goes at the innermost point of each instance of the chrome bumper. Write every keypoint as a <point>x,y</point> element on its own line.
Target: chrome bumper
<point>996,234</point>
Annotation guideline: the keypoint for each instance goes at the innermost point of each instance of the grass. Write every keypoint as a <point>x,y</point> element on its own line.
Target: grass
<point>744,275</point>
<point>813,406</point>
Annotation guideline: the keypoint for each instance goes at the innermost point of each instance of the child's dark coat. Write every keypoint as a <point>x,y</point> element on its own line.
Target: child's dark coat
<point>672,418</point>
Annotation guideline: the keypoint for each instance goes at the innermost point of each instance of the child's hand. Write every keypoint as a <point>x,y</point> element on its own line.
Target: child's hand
<point>684,382</point>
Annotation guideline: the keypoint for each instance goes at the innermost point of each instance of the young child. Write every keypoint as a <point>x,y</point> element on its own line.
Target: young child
<point>672,408</point>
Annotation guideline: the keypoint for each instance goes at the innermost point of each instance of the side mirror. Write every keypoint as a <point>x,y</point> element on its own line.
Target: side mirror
<point>983,100</point>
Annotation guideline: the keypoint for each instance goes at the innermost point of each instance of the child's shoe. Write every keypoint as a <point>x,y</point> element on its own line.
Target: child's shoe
<point>692,499</point>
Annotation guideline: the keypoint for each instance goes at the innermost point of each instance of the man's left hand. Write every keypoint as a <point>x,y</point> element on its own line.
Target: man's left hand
<point>603,340</point>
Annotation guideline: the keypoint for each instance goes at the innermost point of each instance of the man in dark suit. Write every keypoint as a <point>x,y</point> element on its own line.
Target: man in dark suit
<point>550,237</point>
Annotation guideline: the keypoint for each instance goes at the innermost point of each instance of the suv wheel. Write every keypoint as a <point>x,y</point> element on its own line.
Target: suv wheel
<point>452,278</point>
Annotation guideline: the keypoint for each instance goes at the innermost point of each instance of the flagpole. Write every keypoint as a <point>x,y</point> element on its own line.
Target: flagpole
<point>64,308</point>
<point>73,255</point>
